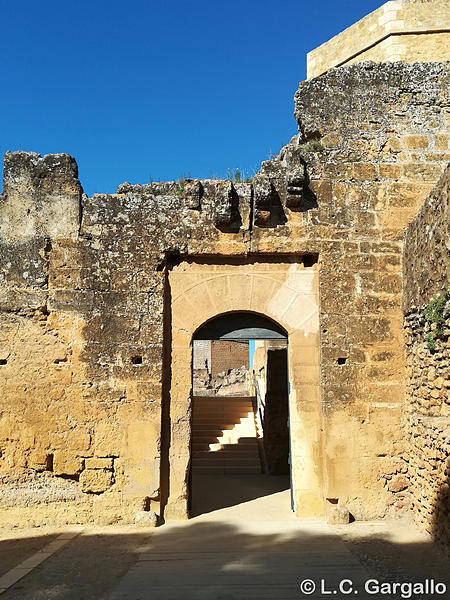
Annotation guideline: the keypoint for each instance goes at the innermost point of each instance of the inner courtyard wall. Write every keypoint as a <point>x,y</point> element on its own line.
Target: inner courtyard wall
<point>427,416</point>
<point>87,371</point>
<point>228,355</point>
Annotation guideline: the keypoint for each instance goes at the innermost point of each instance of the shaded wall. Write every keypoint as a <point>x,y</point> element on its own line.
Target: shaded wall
<point>426,280</point>
<point>276,413</point>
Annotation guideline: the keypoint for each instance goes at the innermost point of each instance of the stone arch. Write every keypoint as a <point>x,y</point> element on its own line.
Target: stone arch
<point>286,293</point>
<point>223,325</point>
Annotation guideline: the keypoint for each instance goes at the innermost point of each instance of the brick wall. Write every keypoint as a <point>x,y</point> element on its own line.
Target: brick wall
<point>228,355</point>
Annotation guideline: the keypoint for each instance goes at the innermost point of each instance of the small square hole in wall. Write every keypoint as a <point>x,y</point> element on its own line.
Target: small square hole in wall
<point>341,360</point>
<point>136,360</point>
<point>3,361</point>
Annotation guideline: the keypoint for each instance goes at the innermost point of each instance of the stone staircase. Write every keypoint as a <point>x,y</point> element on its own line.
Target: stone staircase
<point>224,436</point>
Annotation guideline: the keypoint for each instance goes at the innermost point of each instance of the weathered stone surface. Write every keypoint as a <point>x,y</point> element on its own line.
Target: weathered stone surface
<point>99,463</point>
<point>193,192</point>
<point>95,481</point>
<point>66,465</point>
<point>399,483</point>
<point>97,317</point>
<point>146,519</point>
<point>40,202</point>
<point>337,515</point>
<point>427,278</point>
<point>226,206</point>
<point>427,243</point>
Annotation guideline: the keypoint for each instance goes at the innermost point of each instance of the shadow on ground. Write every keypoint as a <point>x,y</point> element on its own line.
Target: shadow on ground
<point>213,559</point>
<point>214,492</point>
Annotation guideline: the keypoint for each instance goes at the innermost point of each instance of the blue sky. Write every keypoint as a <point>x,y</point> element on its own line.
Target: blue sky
<point>137,90</point>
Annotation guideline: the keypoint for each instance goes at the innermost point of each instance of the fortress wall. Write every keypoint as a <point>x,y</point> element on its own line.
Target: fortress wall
<point>88,370</point>
<point>427,419</point>
<point>384,129</point>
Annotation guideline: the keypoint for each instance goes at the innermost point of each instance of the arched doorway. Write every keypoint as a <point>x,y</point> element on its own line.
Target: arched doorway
<point>240,412</point>
<point>287,293</point>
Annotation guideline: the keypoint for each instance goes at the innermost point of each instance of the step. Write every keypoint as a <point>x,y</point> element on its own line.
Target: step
<point>228,424</point>
<point>205,437</point>
<point>220,418</point>
<point>222,409</point>
<point>241,452</point>
<point>227,464</point>
<point>231,446</point>
<point>217,438</point>
<point>213,426</point>
<point>227,436</point>
<point>225,403</point>
<point>221,426</point>
<point>234,449</point>
<point>200,435</point>
<point>213,410</point>
<point>200,452</point>
<point>208,410</point>
<point>207,442</point>
<point>201,462</point>
<point>207,470</point>
<point>225,412</point>
<point>230,399</point>
<point>219,457</point>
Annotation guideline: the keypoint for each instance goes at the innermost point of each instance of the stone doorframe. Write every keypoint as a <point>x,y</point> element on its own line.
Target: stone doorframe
<point>287,292</point>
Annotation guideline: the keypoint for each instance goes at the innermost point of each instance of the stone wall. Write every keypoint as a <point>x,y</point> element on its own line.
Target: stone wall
<point>98,295</point>
<point>427,325</point>
<point>202,356</point>
<point>406,30</point>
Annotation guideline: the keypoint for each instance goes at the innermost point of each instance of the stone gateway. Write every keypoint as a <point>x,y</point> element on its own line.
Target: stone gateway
<point>341,241</point>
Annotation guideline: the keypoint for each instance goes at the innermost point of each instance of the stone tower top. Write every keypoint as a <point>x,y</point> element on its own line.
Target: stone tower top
<point>407,30</point>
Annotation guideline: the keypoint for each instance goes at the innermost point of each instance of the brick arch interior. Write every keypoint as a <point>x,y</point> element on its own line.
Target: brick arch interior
<point>285,292</point>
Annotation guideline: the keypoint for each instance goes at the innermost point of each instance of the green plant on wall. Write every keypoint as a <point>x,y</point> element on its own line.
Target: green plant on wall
<point>239,176</point>
<point>180,185</point>
<point>431,342</point>
<point>311,146</point>
<point>434,314</point>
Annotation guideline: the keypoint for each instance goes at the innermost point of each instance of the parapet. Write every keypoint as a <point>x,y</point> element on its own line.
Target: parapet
<point>401,30</point>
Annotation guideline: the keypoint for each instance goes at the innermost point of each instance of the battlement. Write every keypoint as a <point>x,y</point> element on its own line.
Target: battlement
<point>406,30</point>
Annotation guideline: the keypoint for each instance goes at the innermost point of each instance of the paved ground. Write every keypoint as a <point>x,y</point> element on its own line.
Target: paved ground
<point>232,554</point>
<point>254,550</point>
